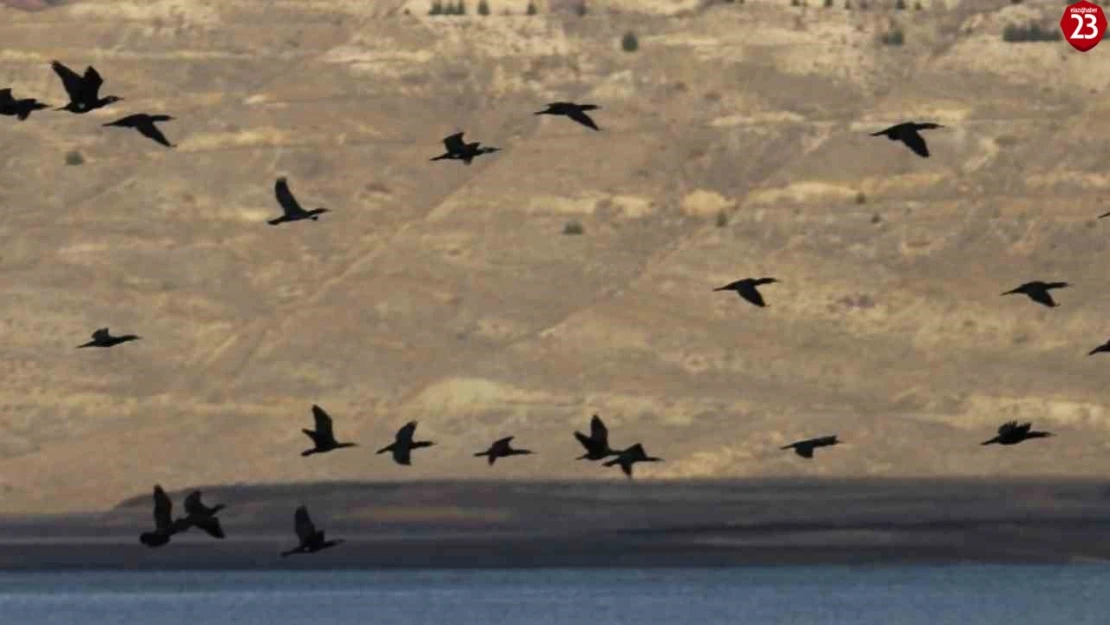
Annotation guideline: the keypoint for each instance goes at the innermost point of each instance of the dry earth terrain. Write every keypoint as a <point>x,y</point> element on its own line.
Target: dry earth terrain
<point>734,144</point>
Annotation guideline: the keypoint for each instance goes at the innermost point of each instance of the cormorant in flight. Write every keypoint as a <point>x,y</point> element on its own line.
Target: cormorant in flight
<point>1105,347</point>
<point>324,436</point>
<point>906,132</point>
<point>1010,433</point>
<point>164,524</point>
<point>103,338</point>
<point>403,444</point>
<point>200,515</point>
<point>631,456</point>
<point>145,125</point>
<point>501,449</point>
<point>459,150</point>
<point>577,112</point>
<point>292,210</point>
<point>311,539</point>
<point>1038,291</point>
<point>84,91</point>
<point>597,443</point>
<point>20,109</point>
<point>746,289</point>
<point>805,448</point>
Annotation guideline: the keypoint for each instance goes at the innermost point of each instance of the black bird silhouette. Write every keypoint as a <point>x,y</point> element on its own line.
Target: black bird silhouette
<point>906,132</point>
<point>459,150</point>
<point>324,436</point>
<point>145,125</point>
<point>805,448</point>
<point>103,338</point>
<point>164,524</point>
<point>1038,291</point>
<point>1105,347</point>
<point>200,515</point>
<point>597,443</point>
<point>20,109</point>
<point>403,444</point>
<point>631,456</point>
<point>502,449</point>
<point>577,112</point>
<point>746,289</point>
<point>84,91</point>
<point>1010,433</point>
<point>292,210</point>
<point>1107,214</point>
<point>311,539</point>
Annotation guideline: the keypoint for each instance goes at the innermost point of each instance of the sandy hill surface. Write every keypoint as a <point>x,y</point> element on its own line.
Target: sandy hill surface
<point>448,294</point>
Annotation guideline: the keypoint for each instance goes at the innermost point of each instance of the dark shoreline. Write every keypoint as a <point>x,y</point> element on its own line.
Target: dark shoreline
<point>485,525</point>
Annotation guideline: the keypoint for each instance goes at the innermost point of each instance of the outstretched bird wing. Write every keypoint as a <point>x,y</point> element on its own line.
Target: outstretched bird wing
<point>915,142</point>
<point>404,435</point>
<point>150,131</point>
<point>285,197</point>
<point>804,451</point>
<point>1007,427</point>
<point>1041,296</point>
<point>100,333</point>
<point>210,525</point>
<point>323,423</point>
<point>501,443</point>
<point>93,82</point>
<point>598,431</point>
<point>582,118</point>
<point>302,525</point>
<point>73,83</point>
<point>455,143</point>
<point>193,505</point>
<point>163,509</point>
<point>6,96</point>
<point>888,131</point>
<point>751,294</point>
<point>823,441</point>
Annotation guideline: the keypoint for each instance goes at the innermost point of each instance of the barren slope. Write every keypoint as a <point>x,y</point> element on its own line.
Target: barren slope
<point>446,293</point>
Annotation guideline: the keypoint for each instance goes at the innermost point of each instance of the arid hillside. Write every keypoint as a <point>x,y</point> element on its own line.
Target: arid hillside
<point>735,143</point>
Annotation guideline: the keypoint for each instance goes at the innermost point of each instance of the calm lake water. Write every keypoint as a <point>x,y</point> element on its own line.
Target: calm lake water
<point>829,595</point>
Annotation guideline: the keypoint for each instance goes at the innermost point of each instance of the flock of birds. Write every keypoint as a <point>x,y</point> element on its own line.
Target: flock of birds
<point>84,96</point>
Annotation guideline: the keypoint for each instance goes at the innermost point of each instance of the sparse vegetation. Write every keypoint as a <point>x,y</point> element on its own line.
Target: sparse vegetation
<point>580,8</point>
<point>483,7</point>
<point>460,8</point>
<point>828,4</point>
<point>1015,33</point>
<point>722,218</point>
<point>73,157</point>
<point>629,42</point>
<point>531,10</point>
<point>900,5</point>
<point>861,198</point>
<point>893,37</point>
<point>436,8</point>
<point>573,227</point>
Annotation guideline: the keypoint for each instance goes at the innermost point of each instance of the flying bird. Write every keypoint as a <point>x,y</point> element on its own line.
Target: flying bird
<point>597,443</point>
<point>403,444</point>
<point>145,125</point>
<point>200,515</point>
<point>907,132</point>
<point>1010,433</point>
<point>291,208</point>
<point>84,91</point>
<point>311,539</point>
<point>459,150</point>
<point>501,448</point>
<point>103,338</point>
<point>21,108</point>
<point>805,448</point>
<point>1105,347</point>
<point>324,436</point>
<point>631,456</point>
<point>1039,291</point>
<point>746,289</point>
<point>577,112</point>
<point>164,524</point>
<point>1107,214</point>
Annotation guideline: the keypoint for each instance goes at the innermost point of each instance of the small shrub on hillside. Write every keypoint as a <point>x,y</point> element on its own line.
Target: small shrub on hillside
<point>73,157</point>
<point>828,4</point>
<point>1013,33</point>
<point>531,10</point>
<point>722,218</point>
<point>629,42</point>
<point>860,197</point>
<point>893,38</point>
<point>483,7</point>
<point>460,8</point>
<point>573,227</point>
<point>900,5</point>
<point>437,8</point>
<point>580,9</point>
